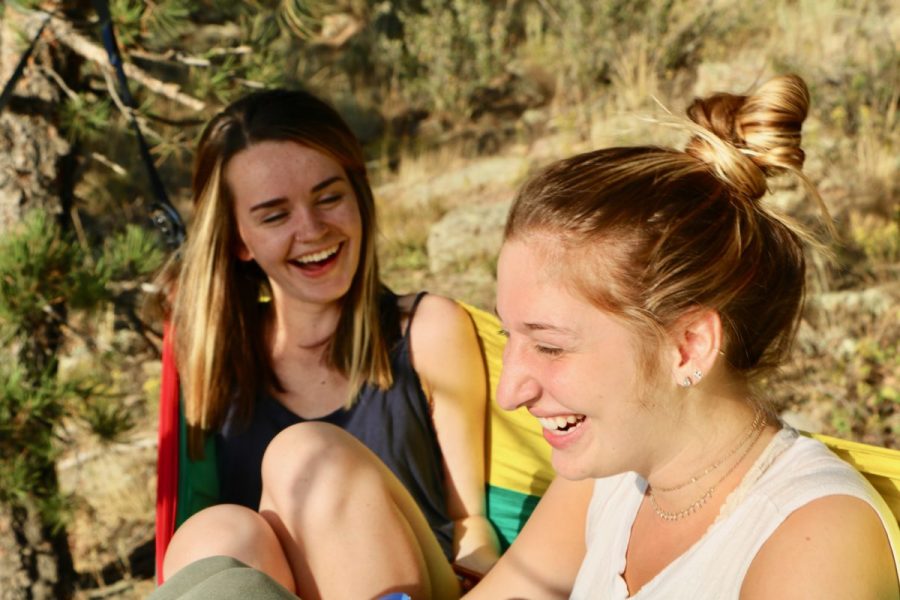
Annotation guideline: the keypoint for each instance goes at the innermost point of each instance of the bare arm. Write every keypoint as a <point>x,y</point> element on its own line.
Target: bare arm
<point>448,360</point>
<point>544,560</point>
<point>833,547</point>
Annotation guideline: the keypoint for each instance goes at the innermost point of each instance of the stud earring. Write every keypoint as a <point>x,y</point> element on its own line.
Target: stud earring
<point>687,382</point>
<point>698,374</point>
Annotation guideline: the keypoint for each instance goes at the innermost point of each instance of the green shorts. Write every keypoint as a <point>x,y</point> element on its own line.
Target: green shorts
<point>223,578</point>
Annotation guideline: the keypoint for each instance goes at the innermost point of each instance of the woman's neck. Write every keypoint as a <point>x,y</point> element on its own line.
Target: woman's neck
<point>301,331</point>
<point>712,431</point>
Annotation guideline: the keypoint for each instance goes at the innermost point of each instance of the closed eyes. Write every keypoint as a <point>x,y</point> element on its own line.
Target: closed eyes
<point>273,217</point>
<point>542,349</point>
<point>548,350</point>
<point>278,216</point>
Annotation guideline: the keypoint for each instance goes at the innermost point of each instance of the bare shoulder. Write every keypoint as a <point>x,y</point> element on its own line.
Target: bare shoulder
<point>436,315</point>
<point>833,547</point>
<point>443,341</point>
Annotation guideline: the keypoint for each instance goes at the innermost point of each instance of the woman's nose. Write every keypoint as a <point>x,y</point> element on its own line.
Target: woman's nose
<point>517,387</point>
<point>308,226</point>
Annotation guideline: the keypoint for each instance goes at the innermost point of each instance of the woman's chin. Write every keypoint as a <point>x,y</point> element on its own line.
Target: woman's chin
<point>569,469</point>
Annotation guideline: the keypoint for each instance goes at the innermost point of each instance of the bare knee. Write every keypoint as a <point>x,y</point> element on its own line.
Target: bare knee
<point>307,442</point>
<point>228,530</point>
<point>309,459</point>
<point>331,500</point>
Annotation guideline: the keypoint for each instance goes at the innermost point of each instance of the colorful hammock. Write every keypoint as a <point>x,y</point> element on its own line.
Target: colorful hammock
<point>518,470</point>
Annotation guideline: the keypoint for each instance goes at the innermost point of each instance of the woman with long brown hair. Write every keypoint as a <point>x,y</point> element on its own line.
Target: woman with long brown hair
<point>285,332</point>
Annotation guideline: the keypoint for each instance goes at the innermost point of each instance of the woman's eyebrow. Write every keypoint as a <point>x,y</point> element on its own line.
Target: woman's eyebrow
<point>324,184</point>
<point>541,326</point>
<point>318,187</point>
<point>267,204</point>
<point>549,327</point>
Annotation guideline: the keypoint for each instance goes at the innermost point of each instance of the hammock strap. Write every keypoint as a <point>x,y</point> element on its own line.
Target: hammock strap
<point>163,214</point>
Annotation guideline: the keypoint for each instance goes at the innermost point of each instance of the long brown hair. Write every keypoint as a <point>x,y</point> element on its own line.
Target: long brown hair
<point>218,317</point>
<point>665,231</point>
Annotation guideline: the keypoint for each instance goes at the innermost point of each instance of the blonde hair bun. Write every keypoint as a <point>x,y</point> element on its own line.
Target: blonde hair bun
<point>752,136</point>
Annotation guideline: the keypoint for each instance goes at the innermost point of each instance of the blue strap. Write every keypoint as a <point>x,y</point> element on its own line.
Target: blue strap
<point>163,214</point>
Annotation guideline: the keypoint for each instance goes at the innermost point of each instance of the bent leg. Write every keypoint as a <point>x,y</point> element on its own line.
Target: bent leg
<point>233,531</point>
<point>348,526</point>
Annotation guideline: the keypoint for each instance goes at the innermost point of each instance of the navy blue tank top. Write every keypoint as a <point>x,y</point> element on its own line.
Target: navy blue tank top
<point>394,423</point>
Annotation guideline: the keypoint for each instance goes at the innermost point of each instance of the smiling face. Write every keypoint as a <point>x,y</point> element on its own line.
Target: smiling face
<point>298,218</point>
<point>573,366</point>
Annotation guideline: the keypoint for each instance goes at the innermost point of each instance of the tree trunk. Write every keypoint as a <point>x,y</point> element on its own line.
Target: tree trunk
<point>35,173</point>
<point>31,147</point>
<point>35,561</point>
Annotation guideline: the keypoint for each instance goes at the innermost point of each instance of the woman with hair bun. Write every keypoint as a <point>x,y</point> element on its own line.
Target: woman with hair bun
<point>643,291</point>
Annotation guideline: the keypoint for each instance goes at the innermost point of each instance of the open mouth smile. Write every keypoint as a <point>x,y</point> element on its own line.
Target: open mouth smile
<point>317,260</point>
<point>561,425</point>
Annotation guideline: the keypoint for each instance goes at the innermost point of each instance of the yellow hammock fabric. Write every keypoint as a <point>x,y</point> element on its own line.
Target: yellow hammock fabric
<point>519,466</point>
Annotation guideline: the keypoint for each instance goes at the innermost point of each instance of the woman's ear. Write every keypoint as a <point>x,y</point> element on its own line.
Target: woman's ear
<point>242,251</point>
<point>697,338</point>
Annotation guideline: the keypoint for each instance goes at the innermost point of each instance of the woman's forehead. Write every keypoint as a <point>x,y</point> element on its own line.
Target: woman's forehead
<point>530,272</point>
<point>562,257</point>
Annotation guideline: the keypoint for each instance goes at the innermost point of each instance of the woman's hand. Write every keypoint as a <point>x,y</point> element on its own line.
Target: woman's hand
<point>476,544</point>
<point>544,559</point>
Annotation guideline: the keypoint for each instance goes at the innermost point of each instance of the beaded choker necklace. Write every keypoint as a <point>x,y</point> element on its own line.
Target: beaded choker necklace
<point>747,442</point>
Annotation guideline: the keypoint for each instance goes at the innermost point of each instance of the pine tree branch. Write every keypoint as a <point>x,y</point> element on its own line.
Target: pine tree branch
<point>170,57</point>
<point>173,122</point>
<point>109,163</point>
<point>59,81</point>
<point>253,85</point>
<point>187,59</point>
<point>127,111</point>
<point>79,232</point>
<point>122,287</point>
<point>95,53</point>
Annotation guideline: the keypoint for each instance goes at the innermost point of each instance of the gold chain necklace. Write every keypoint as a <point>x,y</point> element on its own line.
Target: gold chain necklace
<point>757,429</point>
<point>757,420</point>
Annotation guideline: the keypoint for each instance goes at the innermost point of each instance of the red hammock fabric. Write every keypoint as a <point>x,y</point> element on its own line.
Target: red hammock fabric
<point>167,453</point>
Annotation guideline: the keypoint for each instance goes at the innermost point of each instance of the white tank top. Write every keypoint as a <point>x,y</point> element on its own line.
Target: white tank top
<point>791,472</point>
